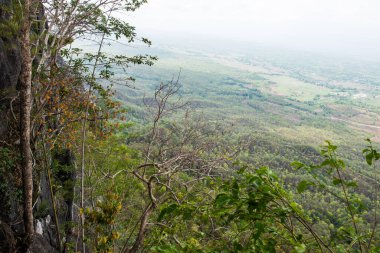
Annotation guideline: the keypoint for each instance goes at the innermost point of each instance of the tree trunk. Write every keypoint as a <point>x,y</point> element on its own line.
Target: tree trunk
<point>25,85</point>
<point>143,225</point>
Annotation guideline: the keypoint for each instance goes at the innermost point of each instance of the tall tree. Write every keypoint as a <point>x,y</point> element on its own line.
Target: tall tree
<point>25,84</point>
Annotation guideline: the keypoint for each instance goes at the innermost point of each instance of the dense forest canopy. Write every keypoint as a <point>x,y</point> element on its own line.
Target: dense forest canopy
<point>110,144</point>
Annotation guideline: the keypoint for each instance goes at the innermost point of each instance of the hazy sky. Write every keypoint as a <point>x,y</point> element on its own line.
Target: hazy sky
<point>323,24</point>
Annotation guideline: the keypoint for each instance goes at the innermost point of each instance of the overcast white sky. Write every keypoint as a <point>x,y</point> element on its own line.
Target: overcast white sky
<point>322,24</point>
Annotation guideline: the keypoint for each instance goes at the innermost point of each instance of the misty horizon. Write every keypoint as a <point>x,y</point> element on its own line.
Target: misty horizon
<point>342,27</point>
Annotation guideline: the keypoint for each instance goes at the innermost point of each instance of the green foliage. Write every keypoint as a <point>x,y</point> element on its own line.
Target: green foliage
<point>253,204</point>
<point>247,213</point>
<point>303,185</point>
<point>43,209</point>
<point>10,178</point>
<point>7,159</point>
<point>101,219</point>
<point>330,176</point>
<point>252,212</point>
<point>10,26</point>
<point>371,154</point>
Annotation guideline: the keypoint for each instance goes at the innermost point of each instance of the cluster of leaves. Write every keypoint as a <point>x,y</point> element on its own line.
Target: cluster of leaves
<point>259,207</point>
<point>110,162</point>
<point>102,218</point>
<point>9,177</point>
<point>10,17</point>
<point>353,230</point>
<point>251,212</point>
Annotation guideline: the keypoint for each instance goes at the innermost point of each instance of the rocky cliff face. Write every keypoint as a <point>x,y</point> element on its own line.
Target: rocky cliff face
<point>10,65</point>
<point>10,68</point>
<point>10,172</point>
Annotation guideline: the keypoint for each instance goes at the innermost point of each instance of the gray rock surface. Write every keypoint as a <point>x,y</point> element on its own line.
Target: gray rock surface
<point>41,245</point>
<point>10,64</point>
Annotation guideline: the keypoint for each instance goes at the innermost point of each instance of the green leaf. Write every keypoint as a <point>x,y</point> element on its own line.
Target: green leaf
<point>241,170</point>
<point>337,181</point>
<point>237,246</point>
<point>167,210</point>
<point>351,184</point>
<point>222,199</point>
<point>301,248</point>
<point>327,162</point>
<point>303,185</point>
<point>297,165</point>
<point>187,212</point>
<point>235,189</point>
<point>341,164</point>
<point>369,158</point>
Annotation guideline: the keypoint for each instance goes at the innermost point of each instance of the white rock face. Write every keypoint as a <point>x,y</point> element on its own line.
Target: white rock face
<point>39,228</point>
<point>48,220</point>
